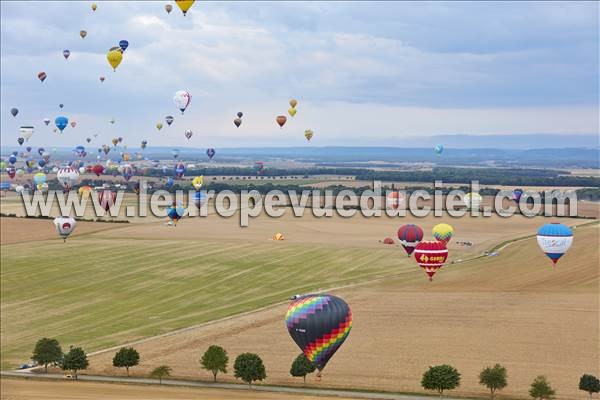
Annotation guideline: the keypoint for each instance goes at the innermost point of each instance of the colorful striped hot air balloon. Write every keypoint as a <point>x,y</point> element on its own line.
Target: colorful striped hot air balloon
<point>319,324</point>
<point>443,232</point>
<point>410,235</point>
<point>431,256</point>
<point>555,240</point>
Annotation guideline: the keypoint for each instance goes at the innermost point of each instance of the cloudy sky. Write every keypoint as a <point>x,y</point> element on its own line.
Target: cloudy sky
<point>364,73</point>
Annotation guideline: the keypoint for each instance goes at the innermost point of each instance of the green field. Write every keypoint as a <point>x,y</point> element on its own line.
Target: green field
<point>98,291</point>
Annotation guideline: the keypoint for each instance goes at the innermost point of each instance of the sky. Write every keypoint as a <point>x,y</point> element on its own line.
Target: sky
<point>364,73</point>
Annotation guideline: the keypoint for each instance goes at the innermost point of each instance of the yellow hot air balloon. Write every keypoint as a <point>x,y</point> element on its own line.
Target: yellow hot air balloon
<point>85,191</point>
<point>159,125</point>
<point>94,6</point>
<point>114,57</point>
<point>126,156</point>
<point>293,103</point>
<point>292,111</point>
<point>308,134</point>
<point>197,182</point>
<point>443,232</point>
<point>184,5</point>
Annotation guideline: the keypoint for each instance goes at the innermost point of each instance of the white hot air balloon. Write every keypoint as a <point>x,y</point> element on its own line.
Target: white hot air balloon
<point>26,132</point>
<point>64,226</point>
<point>182,99</point>
<point>554,240</point>
<point>67,177</point>
<point>473,201</point>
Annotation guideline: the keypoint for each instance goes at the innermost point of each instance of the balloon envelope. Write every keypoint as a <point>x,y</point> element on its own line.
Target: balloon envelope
<point>410,235</point>
<point>443,232</point>
<point>182,99</point>
<point>61,123</point>
<point>281,119</point>
<point>64,226</point>
<point>555,240</point>
<point>184,5</point>
<point>431,256</point>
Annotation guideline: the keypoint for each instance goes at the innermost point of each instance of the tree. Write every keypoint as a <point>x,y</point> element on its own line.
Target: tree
<point>161,372</point>
<point>590,384</point>
<point>215,360</point>
<point>75,360</point>
<point>249,367</point>
<point>541,389</point>
<point>302,367</point>
<point>494,378</point>
<point>440,378</point>
<point>47,351</point>
<point>126,357</point>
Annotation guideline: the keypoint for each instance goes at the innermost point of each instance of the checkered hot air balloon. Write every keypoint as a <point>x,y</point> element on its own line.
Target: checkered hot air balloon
<point>431,256</point>
<point>319,324</point>
<point>555,240</point>
<point>410,235</point>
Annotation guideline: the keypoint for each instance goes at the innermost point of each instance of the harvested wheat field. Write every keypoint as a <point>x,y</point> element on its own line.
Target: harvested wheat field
<point>514,309</point>
<point>20,389</point>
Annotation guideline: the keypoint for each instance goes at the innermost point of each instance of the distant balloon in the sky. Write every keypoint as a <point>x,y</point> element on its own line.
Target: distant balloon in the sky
<point>83,34</point>
<point>66,54</point>
<point>175,153</point>
<point>88,139</point>
<point>42,76</point>
<point>159,125</point>
<point>210,153</point>
<point>182,100</point>
<point>281,119</point>
<point>114,57</point>
<point>14,111</point>
<point>237,122</point>
<point>292,112</point>
<point>47,121</point>
<point>61,123</point>
<point>240,114</point>
<point>308,134</point>
<point>26,132</point>
<point>102,79</point>
<point>188,134</point>
<point>169,120</point>
<point>293,103</point>
<point>94,6</point>
<point>123,44</point>
<point>20,141</point>
<point>61,105</point>
<point>73,124</point>
<point>112,120</point>
<point>438,149</point>
<point>144,144</point>
<point>169,8</point>
<point>184,5</point>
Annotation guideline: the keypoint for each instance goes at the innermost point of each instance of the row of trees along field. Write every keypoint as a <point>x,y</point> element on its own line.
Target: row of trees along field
<point>250,368</point>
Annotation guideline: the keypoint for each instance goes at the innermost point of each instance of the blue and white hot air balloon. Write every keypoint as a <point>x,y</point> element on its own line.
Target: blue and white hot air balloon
<point>555,240</point>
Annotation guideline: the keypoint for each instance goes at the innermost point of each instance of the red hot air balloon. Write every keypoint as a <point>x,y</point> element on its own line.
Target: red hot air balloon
<point>98,169</point>
<point>319,324</point>
<point>410,235</point>
<point>431,256</point>
<point>107,199</point>
<point>281,119</point>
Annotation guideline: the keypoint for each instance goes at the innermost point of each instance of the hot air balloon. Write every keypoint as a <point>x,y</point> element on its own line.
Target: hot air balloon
<point>179,170</point>
<point>169,183</point>
<point>308,134</point>
<point>127,172</point>
<point>410,235</point>
<point>175,213</point>
<point>26,132</point>
<point>555,240</point>
<point>61,105</point>
<point>188,134</point>
<point>281,119</point>
<point>197,182</point>
<point>473,201</point>
<point>516,196</point>
<point>143,144</point>
<point>169,8</point>
<point>394,199</point>
<point>123,44</point>
<point>199,199</point>
<point>237,122</point>
<point>73,124</point>
<point>20,141</point>
<point>98,169</point>
<point>169,120</point>
<point>107,199</point>
<point>112,120</point>
<point>210,152</point>
<point>114,57</point>
<point>94,6</point>
<point>159,125</point>
<point>64,226</point>
<point>240,114</point>
<point>184,5</point>
<point>85,191</point>
<point>175,153</point>
<point>39,178</point>
<point>11,171</point>
<point>182,99</point>
<point>14,111</point>
<point>292,111</point>
<point>67,177</point>
<point>293,103</point>
<point>115,141</point>
<point>42,76</point>
<point>61,123</point>
<point>431,256</point>
<point>438,149</point>
<point>259,167</point>
<point>66,54</point>
<point>83,34</point>
<point>80,151</point>
<point>443,232</point>
<point>319,324</point>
